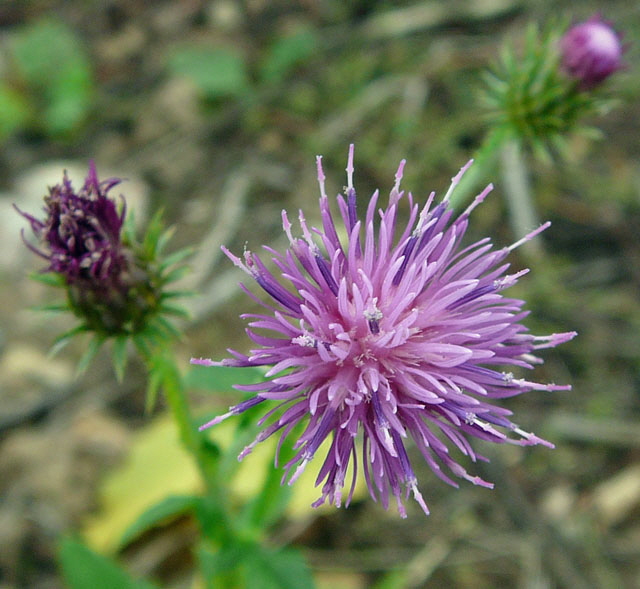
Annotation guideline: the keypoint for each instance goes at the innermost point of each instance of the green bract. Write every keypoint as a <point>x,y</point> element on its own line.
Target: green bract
<point>530,96</point>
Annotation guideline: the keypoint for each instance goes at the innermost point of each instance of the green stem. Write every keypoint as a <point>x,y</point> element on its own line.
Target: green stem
<point>171,381</point>
<point>515,177</point>
<point>162,369</point>
<point>484,163</point>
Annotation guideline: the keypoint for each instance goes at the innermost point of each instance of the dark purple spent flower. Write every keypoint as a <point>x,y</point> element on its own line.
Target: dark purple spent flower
<point>80,235</point>
<point>388,334</point>
<point>591,51</point>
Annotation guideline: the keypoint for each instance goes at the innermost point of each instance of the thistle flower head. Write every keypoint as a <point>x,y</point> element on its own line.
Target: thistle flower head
<point>382,335</point>
<point>80,234</point>
<point>591,52</point>
<point>114,284</point>
<point>530,95</point>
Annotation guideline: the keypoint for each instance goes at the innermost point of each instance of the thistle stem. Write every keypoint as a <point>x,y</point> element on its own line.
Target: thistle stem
<point>483,165</point>
<point>517,189</point>
<point>162,368</point>
<point>162,362</point>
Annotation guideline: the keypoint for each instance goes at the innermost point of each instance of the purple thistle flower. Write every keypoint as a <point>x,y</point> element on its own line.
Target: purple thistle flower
<point>389,338</point>
<point>591,52</point>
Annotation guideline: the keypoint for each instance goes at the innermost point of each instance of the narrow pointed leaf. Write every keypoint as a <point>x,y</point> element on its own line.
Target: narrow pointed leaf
<point>54,307</point>
<point>175,274</point>
<point>164,238</point>
<point>157,514</point>
<point>174,294</point>
<point>62,340</point>
<point>119,355</point>
<point>90,353</point>
<point>282,569</point>
<point>82,568</point>
<point>153,387</point>
<point>176,258</point>
<point>166,328</point>
<point>174,310</point>
<point>48,278</point>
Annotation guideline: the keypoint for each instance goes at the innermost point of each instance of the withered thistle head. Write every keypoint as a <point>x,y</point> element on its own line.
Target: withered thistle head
<point>114,283</point>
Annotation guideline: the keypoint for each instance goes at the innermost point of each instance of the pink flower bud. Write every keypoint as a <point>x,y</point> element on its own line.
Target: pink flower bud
<point>591,52</point>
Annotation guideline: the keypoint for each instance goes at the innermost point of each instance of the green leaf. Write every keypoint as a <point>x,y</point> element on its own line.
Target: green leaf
<point>175,274</point>
<point>53,307</point>
<point>53,63</point>
<point>82,568</point>
<point>95,343</point>
<point>281,569</point>
<point>394,579</point>
<point>248,564</point>
<point>153,387</point>
<point>220,378</point>
<point>216,72</point>
<point>62,340</point>
<point>14,111</point>
<point>129,228</point>
<point>166,328</point>
<point>176,257</point>
<point>152,236</point>
<point>119,355</point>
<point>174,294</point>
<point>40,49</point>
<point>159,513</point>
<point>157,467</point>
<point>174,310</point>
<point>142,344</point>
<point>271,502</point>
<point>222,568</point>
<point>48,278</point>
<point>69,97</point>
<point>288,52</point>
<point>165,237</point>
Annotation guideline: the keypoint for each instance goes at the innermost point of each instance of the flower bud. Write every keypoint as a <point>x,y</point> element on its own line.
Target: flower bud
<point>591,52</point>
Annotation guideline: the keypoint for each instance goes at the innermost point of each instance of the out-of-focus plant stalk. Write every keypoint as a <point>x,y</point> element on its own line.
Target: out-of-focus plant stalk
<point>517,191</point>
<point>164,373</point>
<point>484,163</point>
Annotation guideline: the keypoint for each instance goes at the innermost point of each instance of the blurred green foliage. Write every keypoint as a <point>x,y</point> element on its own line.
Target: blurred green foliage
<point>217,72</point>
<point>528,92</point>
<point>246,500</point>
<point>83,568</point>
<point>223,72</point>
<point>286,52</point>
<point>47,85</point>
<point>261,568</point>
<point>219,378</point>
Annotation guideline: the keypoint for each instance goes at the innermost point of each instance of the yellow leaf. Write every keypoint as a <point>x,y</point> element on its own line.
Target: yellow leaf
<point>158,466</point>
